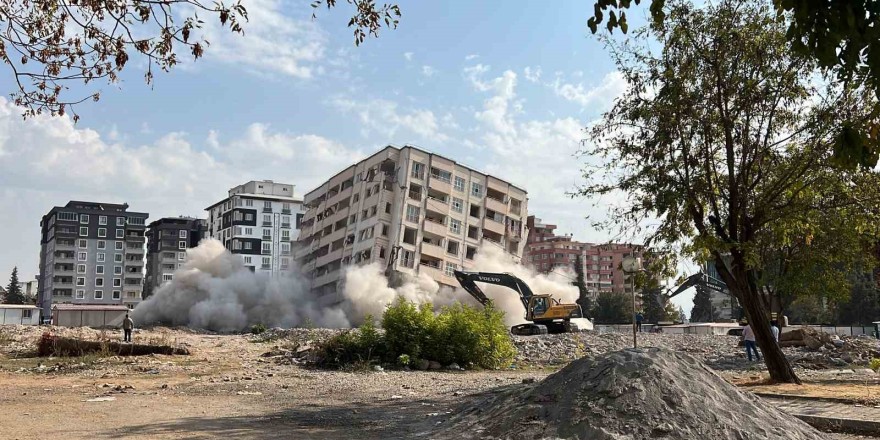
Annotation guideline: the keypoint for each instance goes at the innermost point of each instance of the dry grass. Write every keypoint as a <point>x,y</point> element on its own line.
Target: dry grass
<point>867,393</point>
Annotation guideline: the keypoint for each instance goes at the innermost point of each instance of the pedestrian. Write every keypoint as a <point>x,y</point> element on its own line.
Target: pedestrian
<point>749,340</point>
<point>774,327</point>
<point>639,319</point>
<point>127,325</point>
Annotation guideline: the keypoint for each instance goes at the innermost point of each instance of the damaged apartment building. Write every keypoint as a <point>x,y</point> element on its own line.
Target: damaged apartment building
<point>413,212</point>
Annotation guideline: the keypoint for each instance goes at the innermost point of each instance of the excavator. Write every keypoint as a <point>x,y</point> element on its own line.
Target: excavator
<point>544,313</point>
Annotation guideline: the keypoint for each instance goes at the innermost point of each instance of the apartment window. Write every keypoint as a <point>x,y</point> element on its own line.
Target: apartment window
<point>80,281</point>
<point>80,268</point>
<point>285,248</point>
<point>459,184</point>
<point>248,245</point>
<point>439,174</point>
<point>412,213</point>
<point>99,282</point>
<point>68,216</point>
<point>387,208</point>
<point>267,248</point>
<point>120,221</point>
<point>117,270</point>
<point>101,257</point>
<point>102,232</point>
<point>450,267</point>
<point>102,220</point>
<point>285,221</point>
<point>99,270</point>
<point>99,294</point>
<point>384,230</point>
<point>167,276</point>
<point>352,219</point>
<point>418,170</point>
<point>117,294</point>
<point>117,258</point>
<point>355,198</point>
<point>181,245</point>
<point>82,244</point>
<point>455,225</point>
<point>120,233</point>
<point>117,245</point>
<point>80,293</point>
<point>476,189</point>
<point>285,235</point>
<point>102,244</point>
<point>248,231</point>
<point>182,234</point>
<point>452,247</point>
<point>266,262</point>
<point>267,233</point>
<point>82,256</point>
<point>249,216</point>
<point>285,207</point>
<point>236,245</point>
<point>381,252</point>
<point>248,202</point>
<point>267,219</point>
<point>83,231</point>
<point>181,256</point>
<point>457,204</point>
<point>84,219</point>
<point>267,205</point>
<point>406,258</point>
<point>117,282</point>
<point>409,236</point>
<point>237,216</point>
<point>470,252</point>
<point>285,263</point>
<point>248,260</point>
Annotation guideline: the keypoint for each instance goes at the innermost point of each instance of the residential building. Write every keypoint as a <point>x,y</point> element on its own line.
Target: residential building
<point>91,253</point>
<point>29,289</point>
<point>167,241</point>
<point>412,211</point>
<point>259,221</point>
<point>545,251</point>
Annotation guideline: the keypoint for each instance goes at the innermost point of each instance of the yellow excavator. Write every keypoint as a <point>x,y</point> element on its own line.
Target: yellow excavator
<point>544,313</point>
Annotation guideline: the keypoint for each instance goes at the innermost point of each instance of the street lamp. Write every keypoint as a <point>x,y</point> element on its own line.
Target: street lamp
<point>630,266</point>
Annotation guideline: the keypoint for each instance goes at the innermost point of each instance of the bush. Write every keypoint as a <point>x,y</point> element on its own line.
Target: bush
<point>875,364</point>
<point>403,360</point>
<point>408,328</point>
<point>353,348</point>
<point>469,336</point>
<point>258,329</point>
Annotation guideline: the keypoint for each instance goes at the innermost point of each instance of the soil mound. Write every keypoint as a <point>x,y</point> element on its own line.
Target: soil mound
<point>627,395</point>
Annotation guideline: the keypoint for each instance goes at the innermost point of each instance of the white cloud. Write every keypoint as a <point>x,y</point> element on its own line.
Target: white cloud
<point>408,56</point>
<point>533,75</point>
<point>388,119</point>
<point>48,161</point>
<point>428,71</point>
<point>613,85</point>
<point>472,56</point>
<point>272,42</point>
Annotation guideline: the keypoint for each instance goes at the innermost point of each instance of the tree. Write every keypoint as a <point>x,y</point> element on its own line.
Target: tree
<point>13,290</point>
<point>49,45</point>
<point>703,310</point>
<point>724,139</point>
<point>584,295</point>
<point>612,308</point>
<point>649,282</point>
<point>863,304</point>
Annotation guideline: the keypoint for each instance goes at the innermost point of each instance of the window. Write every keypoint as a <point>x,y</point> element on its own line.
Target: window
<point>181,245</point>
<point>452,247</point>
<point>82,244</point>
<point>167,276</point>
<point>248,245</point>
<point>267,233</point>
<point>99,270</point>
<point>355,198</point>
<point>249,216</point>
<point>248,260</point>
<point>412,213</point>
<point>285,263</point>
<point>120,221</point>
<point>117,294</point>
<point>181,256</point>
<point>117,245</point>
<point>117,270</point>
<point>182,233</point>
<point>117,282</point>
<point>84,219</point>
<point>80,268</point>
<point>102,244</point>
<point>102,232</point>
<point>266,262</point>
<point>137,221</point>
<point>120,233</point>
<point>80,293</point>
<point>80,281</point>
<point>459,184</point>
<point>455,225</point>
<point>101,257</point>
<point>117,258</point>
<point>285,248</point>
<point>82,256</point>
<point>387,208</point>
<point>69,216</point>
<point>285,221</point>
<point>352,219</point>
<point>418,170</point>
<point>99,294</point>
<point>285,235</point>
<point>384,230</point>
<point>248,231</point>
<point>267,219</point>
<point>99,282</point>
<point>102,220</point>
<point>476,189</point>
<point>248,202</point>
<point>285,207</point>
<point>267,205</point>
<point>449,268</point>
<point>267,248</point>
<point>83,231</point>
<point>439,174</point>
<point>457,204</point>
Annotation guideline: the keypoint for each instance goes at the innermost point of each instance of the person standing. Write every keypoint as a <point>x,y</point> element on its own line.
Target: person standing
<point>774,327</point>
<point>749,340</point>
<point>639,319</point>
<point>127,325</point>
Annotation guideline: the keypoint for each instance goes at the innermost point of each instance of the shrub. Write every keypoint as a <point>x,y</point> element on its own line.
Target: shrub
<point>403,360</point>
<point>353,348</point>
<point>408,327</point>
<point>258,329</point>
<point>46,344</point>
<point>875,364</point>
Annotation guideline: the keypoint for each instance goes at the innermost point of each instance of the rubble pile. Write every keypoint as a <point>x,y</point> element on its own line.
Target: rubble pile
<point>297,346</point>
<point>628,394</point>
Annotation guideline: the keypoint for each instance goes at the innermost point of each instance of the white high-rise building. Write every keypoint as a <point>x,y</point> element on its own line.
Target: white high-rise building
<point>413,210</point>
<point>259,221</point>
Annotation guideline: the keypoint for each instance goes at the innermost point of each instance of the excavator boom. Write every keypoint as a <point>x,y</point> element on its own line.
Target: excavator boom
<point>468,282</point>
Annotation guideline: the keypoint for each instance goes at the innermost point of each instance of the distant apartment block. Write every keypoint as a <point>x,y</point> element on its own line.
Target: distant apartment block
<point>417,211</point>
<point>167,242</point>
<point>259,221</point>
<point>91,253</point>
<point>545,251</point>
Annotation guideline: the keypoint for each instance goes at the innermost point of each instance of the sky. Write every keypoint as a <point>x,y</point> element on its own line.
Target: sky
<point>506,90</point>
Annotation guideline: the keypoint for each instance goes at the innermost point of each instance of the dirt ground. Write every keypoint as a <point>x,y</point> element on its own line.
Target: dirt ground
<point>225,389</point>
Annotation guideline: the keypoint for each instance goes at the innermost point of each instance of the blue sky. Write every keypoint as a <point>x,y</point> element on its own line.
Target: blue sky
<point>503,89</point>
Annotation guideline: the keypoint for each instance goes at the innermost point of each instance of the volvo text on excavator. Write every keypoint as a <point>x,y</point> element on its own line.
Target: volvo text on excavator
<point>544,313</point>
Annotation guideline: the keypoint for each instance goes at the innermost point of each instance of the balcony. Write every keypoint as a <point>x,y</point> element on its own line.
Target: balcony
<point>285,225</point>
<point>267,237</point>
<point>64,257</point>
<point>433,250</point>
<point>435,227</point>
<point>330,257</point>
<point>494,226</point>
<point>265,223</point>
<point>266,252</point>
<point>267,209</point>
<point>63,245</point>
<point>496,205</point>
<point>265,267</point>
<point>415,195</point>
<point>135,238</point>
<point>62,270</point>
<point>62,284</point>
<point>440,184</point>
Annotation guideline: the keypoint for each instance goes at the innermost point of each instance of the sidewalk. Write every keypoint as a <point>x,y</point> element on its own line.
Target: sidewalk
<point>829,415</point>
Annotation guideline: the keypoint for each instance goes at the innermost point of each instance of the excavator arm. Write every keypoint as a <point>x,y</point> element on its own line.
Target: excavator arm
<point>468,282</point>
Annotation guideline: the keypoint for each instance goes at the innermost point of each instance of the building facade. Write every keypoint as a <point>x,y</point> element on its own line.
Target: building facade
<point>167,242</point>
<point>412,211</point>
<point>91,253</point>
<point>545,251</point>
<point>260,222</point>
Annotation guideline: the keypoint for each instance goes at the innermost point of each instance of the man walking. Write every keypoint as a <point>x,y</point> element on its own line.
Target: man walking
<point>639,319</point>
<point>749,339</point>
<point>127,325</point>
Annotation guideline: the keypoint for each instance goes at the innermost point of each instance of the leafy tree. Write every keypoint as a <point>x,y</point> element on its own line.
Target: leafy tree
<point>13,290</point>
<point>657,267</point>
<point>863,304</point>
<point>51,44</point>
<point>612,308</point>
<point>703,310</point>
<point>580,281</point>
<point>724,140</point>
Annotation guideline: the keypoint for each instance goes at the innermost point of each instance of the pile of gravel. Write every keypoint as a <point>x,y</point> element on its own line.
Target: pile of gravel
<point>628,394</point>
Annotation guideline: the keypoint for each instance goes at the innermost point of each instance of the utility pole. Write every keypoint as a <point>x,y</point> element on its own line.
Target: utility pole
<point>630,266</point>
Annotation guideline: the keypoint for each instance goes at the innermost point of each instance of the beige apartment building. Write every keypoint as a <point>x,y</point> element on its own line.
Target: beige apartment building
<point>413,212</point>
